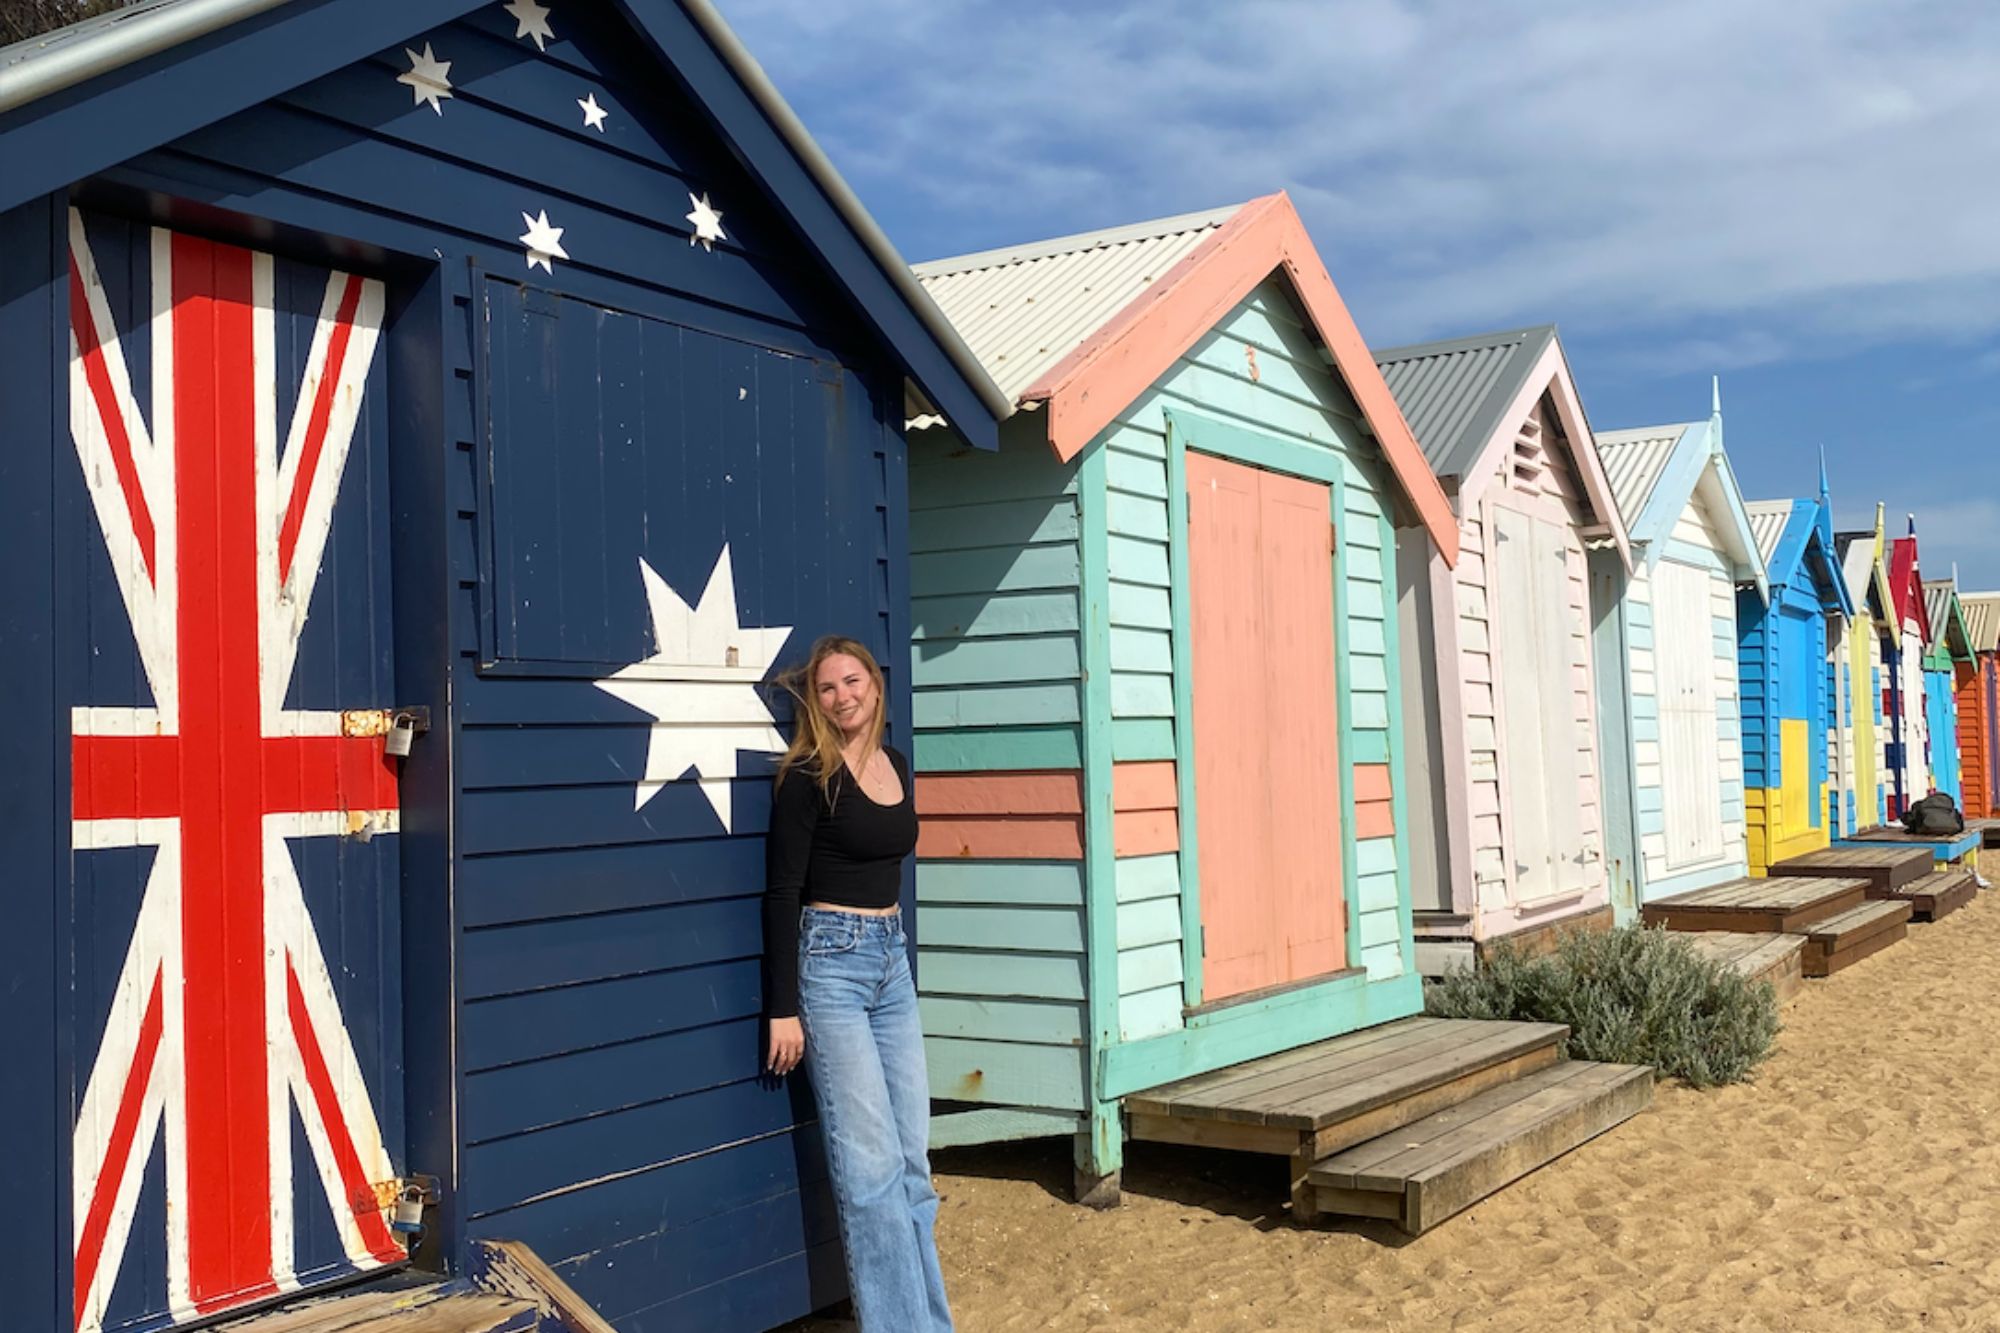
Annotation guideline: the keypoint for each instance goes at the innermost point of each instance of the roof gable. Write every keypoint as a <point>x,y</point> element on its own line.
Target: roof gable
<point>1906,585</point>
<point>1982,619</point>
<point>1465,399</point>
<point>1657,470</point>
<point>1947,619</point>
<point>83,100</point>
<point>1795,533</point>
<point>1090,371</point>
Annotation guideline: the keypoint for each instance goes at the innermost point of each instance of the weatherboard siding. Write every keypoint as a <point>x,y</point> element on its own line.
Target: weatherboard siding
<point>1535,477</point>
<point>1696,541</point>
<point>1782,664</point>
<point>996,668</point>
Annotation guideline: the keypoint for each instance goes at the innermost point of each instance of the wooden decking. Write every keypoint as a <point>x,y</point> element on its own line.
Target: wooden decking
<point>1949,848</point>
<point>1988,830</point>
<point>1310,1104</point>
<point>1761,956</point>
<point>1845,938</point>
<point>1440,1165</point>
<point>1938,894</point>
<point>435,1308</point>
<point>1758,905</point>
<point>1886,867</point>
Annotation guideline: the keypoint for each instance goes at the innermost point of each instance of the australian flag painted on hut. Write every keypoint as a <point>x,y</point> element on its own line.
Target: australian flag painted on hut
<point>430,426</point>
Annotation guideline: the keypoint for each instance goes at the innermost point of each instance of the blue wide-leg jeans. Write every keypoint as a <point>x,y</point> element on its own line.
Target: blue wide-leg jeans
<point>866,1051</point>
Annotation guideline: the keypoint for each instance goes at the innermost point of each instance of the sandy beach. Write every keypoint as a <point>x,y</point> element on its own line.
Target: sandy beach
<point>1855,1184</point>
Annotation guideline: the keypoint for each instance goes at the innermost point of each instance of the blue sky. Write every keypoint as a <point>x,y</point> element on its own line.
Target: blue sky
<point>1803,199</point>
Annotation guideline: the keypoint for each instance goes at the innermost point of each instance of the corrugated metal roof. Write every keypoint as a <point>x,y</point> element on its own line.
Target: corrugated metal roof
<point>1767,524</point>
<point>1453,392</point>
<point>1024,308</point>
<point>1982,619</point>
<point>1937,604</point>
<point>1634,460</point>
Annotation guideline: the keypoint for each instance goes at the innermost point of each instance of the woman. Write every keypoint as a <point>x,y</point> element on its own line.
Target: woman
<point>842,821</point>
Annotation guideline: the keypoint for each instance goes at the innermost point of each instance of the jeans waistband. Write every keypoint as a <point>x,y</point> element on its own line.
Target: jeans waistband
<point>890,924</point>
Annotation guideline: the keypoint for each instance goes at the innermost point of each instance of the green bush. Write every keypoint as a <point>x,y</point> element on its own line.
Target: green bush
<point>1631,996</point>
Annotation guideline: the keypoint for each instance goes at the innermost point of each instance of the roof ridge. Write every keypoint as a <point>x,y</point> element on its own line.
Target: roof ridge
<point>1077,242</point>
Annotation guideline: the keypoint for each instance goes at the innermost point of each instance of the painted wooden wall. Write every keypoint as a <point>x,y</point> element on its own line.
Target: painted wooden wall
<point>1904,701</point>
<point>1854,794</point>
<point>1695,543</point>
<point>1535,476</point>
<point>996,665</point>
<point>597,1085</point>
<point>998,588</point>
<point>1975,758</point>
<point>1782,658</point>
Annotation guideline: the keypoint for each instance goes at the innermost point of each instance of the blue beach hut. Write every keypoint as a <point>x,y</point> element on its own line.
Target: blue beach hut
<point>428,424</point>
<point>1790,681</point>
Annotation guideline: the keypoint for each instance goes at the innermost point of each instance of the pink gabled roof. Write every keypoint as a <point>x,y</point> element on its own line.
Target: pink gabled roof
<point>1906,584</point>
<point>1227,256</point>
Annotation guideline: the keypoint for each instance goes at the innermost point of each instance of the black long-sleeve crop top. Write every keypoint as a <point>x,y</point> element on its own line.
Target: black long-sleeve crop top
<point>842,849</point>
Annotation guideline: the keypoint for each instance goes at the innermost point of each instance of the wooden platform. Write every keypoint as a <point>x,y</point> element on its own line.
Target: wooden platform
<point>430,1309</point>
<point>1763,956</point>
<point>1841,940</point>
<point>1988,829</point>
<point>1424,1173</point>
<point>1938,894</point>
<point>1309,1103</point>
<point>1885,866</point>
<point>1758,906</point>
<point>1942,849</point>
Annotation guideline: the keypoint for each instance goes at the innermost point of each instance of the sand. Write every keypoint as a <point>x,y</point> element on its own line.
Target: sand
<point>1854,1184</point>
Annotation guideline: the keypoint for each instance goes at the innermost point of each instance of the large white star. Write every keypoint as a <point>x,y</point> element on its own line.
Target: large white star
<point>707,223</point>
<point>700,686</point>
<point>543,241</point>
<point>531,20</point>
<point>428,78</point>
<point>593,114</point>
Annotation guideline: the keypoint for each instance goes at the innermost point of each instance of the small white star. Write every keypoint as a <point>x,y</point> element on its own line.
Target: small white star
<point>531,20</point>
<point>707,223</point>
<point>543,241</point>
<point>593,114</point>
<point>427,78</point>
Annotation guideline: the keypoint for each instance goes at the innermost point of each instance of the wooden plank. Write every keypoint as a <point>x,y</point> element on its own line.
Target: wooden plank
<point>1335,1097</point>
<point>1231,1086</point>
<point>1394,1115</point>
<point>1441,1165</point>
<point>1822,964</point>
<point>1942,902</point>
<point>1204,1089</point>
<point>509,1268</point>
<point>999,1124</point>
<point>1230,1135</point>
<point>1758,905</point>
<point>1886,867</point>
<point>1845,929</point>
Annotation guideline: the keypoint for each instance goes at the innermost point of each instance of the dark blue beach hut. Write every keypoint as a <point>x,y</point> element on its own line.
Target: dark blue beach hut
<point>509,386</point>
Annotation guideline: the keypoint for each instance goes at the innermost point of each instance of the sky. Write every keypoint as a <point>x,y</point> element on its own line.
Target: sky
<point>1803,199</point>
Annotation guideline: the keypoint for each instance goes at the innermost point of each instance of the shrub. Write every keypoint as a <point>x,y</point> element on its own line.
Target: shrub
<point>1629,996</point>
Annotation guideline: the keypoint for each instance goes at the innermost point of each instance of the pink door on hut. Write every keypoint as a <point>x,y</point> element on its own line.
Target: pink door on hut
<point>1266,727</point>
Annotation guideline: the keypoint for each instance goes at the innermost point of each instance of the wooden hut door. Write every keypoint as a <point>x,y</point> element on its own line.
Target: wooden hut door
<point>1266,726</point>
<point>1536,686</point>
<point>235,953</point>
<point>1690,744</point>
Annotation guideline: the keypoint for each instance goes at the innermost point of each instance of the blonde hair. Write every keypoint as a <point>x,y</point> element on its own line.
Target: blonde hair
<point>816,740</point>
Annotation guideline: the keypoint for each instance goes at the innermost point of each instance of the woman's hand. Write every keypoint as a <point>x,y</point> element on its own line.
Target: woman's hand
<point>788,1045</point>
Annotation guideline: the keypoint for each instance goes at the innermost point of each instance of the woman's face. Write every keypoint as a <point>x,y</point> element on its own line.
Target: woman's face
<point>846,694</point>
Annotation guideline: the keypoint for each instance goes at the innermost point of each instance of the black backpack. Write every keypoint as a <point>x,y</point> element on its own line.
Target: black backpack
<point>1933,815</point>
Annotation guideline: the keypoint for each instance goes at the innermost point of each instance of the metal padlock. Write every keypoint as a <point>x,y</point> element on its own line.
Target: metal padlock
<point>407,1216</point>
<point>402,732</point>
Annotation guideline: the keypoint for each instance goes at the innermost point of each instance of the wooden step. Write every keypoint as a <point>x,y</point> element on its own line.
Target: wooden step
<point>1944,847</point>
<point>1758,905</point>
<point>1937,894</point>
<point>1885,865</point>
<point>1762,956</point>
<point>430,1308</point>
<point>1425,1172</point>
<point>1841,941</point>
<point>1306,1103</point>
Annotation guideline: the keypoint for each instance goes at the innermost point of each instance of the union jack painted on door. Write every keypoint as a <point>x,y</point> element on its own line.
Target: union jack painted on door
<point>236,942</point>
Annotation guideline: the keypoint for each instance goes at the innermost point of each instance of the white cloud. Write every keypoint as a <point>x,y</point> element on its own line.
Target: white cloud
<point>1809,177</point>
